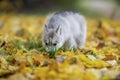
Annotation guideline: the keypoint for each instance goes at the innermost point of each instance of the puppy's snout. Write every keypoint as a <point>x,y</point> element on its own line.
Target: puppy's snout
<point>50,48</point>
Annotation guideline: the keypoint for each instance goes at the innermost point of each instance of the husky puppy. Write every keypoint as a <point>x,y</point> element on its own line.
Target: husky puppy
<point>64,28</point>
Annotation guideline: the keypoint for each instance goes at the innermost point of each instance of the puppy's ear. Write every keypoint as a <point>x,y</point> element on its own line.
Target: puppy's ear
<point>46,28</point>
<point>59,30</point>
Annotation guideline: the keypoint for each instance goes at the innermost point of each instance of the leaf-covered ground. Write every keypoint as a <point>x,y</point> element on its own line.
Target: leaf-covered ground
<point>22,56</point>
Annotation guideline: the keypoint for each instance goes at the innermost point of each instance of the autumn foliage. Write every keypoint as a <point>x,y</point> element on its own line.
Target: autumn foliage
<point>22,56</point>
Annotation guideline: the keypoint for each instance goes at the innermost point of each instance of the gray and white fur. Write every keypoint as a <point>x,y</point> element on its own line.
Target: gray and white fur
<point>64,28</point>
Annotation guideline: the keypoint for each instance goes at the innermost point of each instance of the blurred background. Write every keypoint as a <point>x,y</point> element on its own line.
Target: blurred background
<point>90,8</point>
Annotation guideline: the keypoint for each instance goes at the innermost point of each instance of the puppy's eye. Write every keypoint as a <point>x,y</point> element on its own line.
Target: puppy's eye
<point>55,44</point>
<point>46,43</point>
